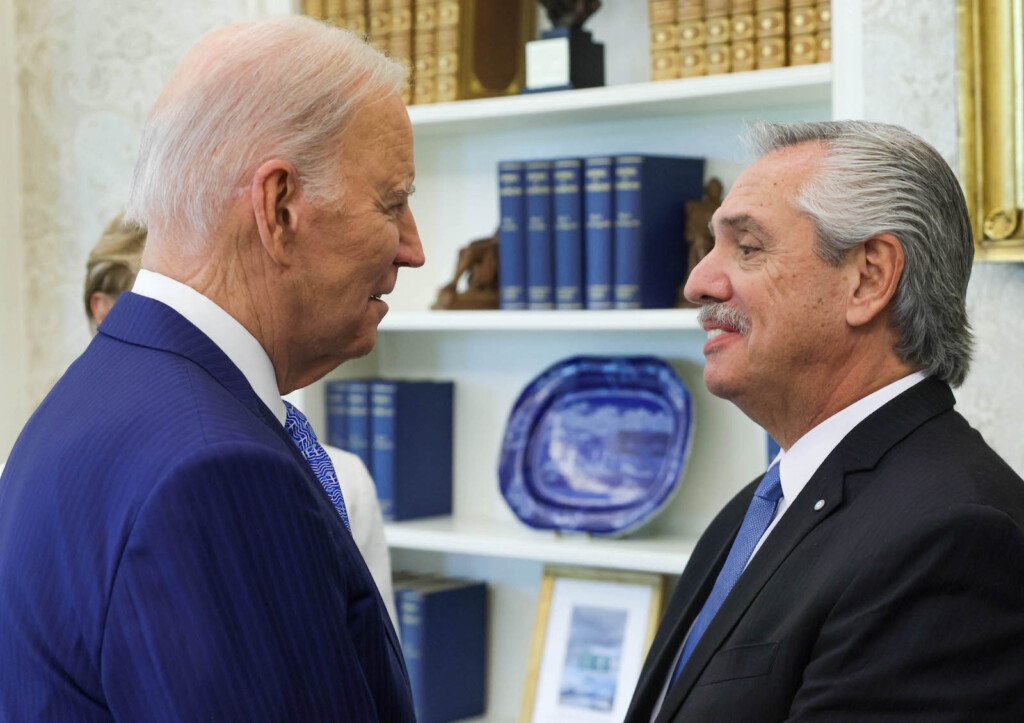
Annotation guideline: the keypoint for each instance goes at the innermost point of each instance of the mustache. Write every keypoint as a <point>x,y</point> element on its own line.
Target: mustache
<point>719,313</point>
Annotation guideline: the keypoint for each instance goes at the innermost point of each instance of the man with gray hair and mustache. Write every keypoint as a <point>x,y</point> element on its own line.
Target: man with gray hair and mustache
<point>174,542</point>
<point>875,572</point>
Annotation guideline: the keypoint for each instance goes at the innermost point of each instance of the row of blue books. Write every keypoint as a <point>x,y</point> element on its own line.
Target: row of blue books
<point>443,626</point>
<point>402,430</point>
<point>596,233</point>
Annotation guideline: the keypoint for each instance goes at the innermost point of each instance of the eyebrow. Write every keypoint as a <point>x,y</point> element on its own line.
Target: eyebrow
<point>402,191</point>
<point>742,221</point>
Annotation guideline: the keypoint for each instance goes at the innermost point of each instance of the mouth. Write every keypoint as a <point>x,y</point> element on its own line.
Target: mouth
<point>376,297</point>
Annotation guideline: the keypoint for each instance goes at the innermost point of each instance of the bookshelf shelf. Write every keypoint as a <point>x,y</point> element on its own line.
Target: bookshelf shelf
<point>646,319</point>
<point>493,355</point>
<point>798,85</point>
<point>509,539</point>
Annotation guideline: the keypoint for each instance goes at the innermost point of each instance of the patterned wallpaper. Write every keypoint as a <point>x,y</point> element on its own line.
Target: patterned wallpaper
<point>88,70</point>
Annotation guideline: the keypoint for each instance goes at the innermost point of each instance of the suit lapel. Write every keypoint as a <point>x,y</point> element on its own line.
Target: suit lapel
<point>793,527</point>
<point>694,586</point>
<point>860,449</point>
<point>146,322</point>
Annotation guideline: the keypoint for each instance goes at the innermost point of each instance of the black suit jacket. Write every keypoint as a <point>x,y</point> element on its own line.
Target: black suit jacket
<point>901,598</point>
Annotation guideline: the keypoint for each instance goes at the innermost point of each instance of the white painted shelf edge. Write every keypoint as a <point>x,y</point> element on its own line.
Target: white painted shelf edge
<point>494,538</point>
<point>752,89</point>
<point>625,320</point>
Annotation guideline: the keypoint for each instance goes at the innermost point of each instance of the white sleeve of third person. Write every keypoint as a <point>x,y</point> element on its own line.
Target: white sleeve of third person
<point>366,520</point>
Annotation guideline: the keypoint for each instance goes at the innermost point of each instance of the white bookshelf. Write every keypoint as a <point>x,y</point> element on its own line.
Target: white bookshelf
<point>647,320</point>
<point>750,91</point>
<point>492,355</point>
<point>488,538</point>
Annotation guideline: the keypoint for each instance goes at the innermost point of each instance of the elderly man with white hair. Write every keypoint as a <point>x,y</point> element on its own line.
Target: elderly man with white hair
<point>174,543</point>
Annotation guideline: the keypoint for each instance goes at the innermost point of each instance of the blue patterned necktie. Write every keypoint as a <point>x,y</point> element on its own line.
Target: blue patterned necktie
<point>304,437</point>
<point>759,516</point>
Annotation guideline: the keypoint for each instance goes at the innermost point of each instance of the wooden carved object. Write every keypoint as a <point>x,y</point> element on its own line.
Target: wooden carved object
<point>478,261</point>
<point>698,235</point>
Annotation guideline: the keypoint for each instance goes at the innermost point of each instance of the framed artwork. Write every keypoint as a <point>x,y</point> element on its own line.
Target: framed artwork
<point>590,639</point>
<point>991,76</point>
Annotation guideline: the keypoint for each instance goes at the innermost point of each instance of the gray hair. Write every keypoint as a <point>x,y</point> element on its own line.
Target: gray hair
<point>879,178</point>
<point>284,88</point>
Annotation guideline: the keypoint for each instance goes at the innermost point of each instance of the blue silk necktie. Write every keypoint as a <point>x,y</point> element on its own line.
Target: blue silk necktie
<point>304,437</point>
<point>759,516</point>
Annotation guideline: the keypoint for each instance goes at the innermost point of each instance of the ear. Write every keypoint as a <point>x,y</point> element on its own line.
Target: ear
<point>275,203</point>
<point>878,266</point>
<point>100,304</point>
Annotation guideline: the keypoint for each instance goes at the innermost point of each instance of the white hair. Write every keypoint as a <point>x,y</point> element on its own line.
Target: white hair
<point>283,88</point>
<point>879,178</point>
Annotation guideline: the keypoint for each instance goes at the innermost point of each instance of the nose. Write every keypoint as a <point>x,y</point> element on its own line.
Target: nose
<point>410,248</point>
<point>708,282</point>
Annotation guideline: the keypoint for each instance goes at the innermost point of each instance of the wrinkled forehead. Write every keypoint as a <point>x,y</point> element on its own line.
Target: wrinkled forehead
<point>772,181</point>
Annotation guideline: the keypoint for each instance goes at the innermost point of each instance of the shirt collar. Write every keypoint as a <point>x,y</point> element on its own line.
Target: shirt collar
<point>241,347</point>
<point>801,461</point>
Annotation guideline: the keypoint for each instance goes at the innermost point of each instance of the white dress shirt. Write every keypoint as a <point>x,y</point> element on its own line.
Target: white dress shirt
<point>246,353</point>
<point>799,463</point>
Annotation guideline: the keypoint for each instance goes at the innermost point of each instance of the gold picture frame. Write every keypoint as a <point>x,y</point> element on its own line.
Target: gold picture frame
<point>590,639</point>
<point>991,78</point>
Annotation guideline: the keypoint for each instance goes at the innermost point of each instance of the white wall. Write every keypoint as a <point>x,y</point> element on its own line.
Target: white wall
<point>14,407</point>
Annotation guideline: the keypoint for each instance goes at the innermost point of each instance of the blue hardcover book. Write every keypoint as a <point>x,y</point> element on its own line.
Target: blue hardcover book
<point>599,233</point>
<point>412,448</point>
<point>512,239</point>
<point>650,216</point>
<point>337,413</point>
<point>444,640</point>
<point>568,193</point>
<point>540,232</point>
<point>359,421</point>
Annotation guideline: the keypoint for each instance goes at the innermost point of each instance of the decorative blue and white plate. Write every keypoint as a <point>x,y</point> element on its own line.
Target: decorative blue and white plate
<point>596,444</point>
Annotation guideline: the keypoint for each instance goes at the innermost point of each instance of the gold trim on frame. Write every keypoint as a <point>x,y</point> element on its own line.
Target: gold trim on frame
<point>540,625</point>
<point>991,44</point>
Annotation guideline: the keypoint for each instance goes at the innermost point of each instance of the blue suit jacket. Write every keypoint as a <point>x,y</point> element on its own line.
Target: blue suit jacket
<point>167,554</point>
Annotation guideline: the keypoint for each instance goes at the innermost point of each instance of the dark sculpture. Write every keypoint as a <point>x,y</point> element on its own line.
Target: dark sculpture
<point>699,237</point>
<point>570,13</point>
<point>479,261</point>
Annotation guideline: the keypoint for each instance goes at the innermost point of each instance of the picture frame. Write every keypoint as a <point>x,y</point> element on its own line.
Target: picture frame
<point>991,94</point>
<point>590,638</point>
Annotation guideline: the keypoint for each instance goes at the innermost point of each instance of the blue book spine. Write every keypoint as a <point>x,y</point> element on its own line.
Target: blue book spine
<point>540,251</point>
<point>512,239</point>
<point>568,193</point>
<point>452,617</point>
<point>410,623</point>
<point>382,427</point>
<point>422,450</point>
<point>650,217</point>
<point>359,421</point>
<point>599,220</point>
<point>337,413</point>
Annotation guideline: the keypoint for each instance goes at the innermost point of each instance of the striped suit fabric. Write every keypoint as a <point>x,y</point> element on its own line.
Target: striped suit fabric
<point>167,554</point>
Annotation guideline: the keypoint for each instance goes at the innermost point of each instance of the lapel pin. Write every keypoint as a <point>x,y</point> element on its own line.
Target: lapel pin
<point>819,504</point>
